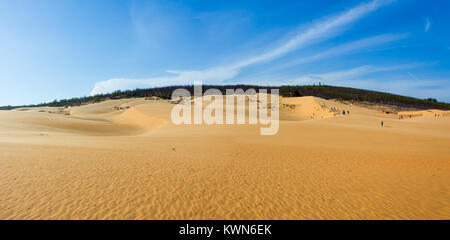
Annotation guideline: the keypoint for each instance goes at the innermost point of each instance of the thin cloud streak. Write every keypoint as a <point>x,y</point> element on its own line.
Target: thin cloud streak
<point>348,74</point>
<point>346,48</point>
<point>427,24</point>
<point>321,30</point>
<point>422,89</point>
<point>358,78</point>
<point>180,78</point>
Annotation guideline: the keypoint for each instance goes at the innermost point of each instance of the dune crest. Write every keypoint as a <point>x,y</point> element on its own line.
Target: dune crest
<point>306,108</point>
<point>430,112</point>
<point>134,116</point>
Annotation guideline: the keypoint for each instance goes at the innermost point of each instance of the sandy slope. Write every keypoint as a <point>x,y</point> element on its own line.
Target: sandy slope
<point>124,159</point>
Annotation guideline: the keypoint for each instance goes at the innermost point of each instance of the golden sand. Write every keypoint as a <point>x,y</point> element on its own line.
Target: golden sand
<point>124,159</point>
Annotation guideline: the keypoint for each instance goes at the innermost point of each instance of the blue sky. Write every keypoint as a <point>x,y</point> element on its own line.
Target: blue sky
<point>62,49</point>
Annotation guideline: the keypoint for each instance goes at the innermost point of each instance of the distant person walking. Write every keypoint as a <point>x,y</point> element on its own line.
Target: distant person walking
<point>382,123</point>
<point>348,112</point>
<point>343,112</point>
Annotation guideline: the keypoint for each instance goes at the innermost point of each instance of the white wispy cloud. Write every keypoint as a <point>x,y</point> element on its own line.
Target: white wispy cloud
<point>318,31</point>
<point>413,76</point>
<point>357,77</point>
<point>360,77</point>
<point>427,24</point>
<point>175,78</point>
<point>346,48</point>
<point>350,74</point>
<point>436,88</point>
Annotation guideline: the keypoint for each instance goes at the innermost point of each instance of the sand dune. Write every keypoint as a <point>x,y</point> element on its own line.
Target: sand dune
<point>307,108</point>
<point>136,117</point>
<point>431,112</point>
<point>124,159</point>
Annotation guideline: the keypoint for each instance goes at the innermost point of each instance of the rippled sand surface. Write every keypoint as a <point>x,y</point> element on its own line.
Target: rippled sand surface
<point>124,159</point>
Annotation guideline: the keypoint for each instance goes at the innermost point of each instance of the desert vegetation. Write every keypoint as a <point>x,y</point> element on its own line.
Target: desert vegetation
<point>322,91</point>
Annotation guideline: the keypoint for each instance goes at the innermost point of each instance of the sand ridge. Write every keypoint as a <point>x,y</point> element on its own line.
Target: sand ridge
<point>125,159</point>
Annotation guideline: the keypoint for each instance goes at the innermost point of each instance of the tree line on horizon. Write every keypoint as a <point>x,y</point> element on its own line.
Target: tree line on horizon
<point>321,91</point>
